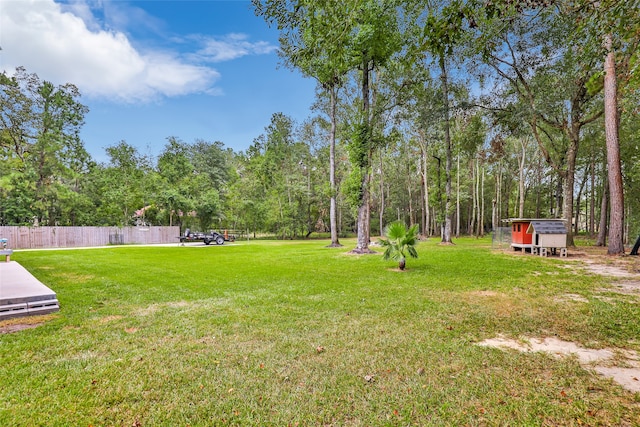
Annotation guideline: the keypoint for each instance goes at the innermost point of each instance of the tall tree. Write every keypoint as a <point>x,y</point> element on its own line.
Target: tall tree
<point>245,201</point>
<point>282,167</point>
<point>312,40</point>
<point>443,31</point>
<point>326,39</point>
<point>614,166</point>
<point>374,41</point>
<point>611,30</point>
<point>184,185</point>
<point>119,190</point>
<point>548,84</point>
<point>40,126</point>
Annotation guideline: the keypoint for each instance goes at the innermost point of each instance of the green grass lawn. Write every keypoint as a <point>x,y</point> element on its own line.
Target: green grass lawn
<point>293,333</point>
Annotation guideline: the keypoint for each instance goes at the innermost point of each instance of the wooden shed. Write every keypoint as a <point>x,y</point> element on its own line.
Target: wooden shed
<point>548,235</point>
<point>520,238</point>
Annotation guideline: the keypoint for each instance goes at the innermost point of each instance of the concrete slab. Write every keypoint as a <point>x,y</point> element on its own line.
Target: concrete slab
<point>21,294</point>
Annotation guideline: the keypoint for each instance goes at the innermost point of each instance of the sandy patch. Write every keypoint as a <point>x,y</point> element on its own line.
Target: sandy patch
<point>9,329</point>
<point>18,324</point>
<point>623,270</point>
<point>609,270</point>
<point>622,366</point>
<point>604,361</point>
<point>626,377</point>
<point>626,288</point>
<point>624,281</point>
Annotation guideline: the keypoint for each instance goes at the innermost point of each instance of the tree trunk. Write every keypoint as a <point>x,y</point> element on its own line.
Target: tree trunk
<point>578,210</point>
<point>498,200</point>
<point>556,194</point>
<point>481,230</point>
<point>332,171</point>
<point>427,219</point>
<point>364,230</point>
<point>567,207</point>
<point>521,166</point>
<point>592,196</point>
<point>578,202</point>
<point>446,235</point>
<point>616,190</point>
<point>604,210</point>
<point>381,196</point>
<point>474,195</point>
<point>438,197</point>
<point>410,194</point>
<point>458,197</point>
<point>494,214</point>
<point>500,192</point>
<point>538,195</point>
<point>476,231</point>
<point>423,226</point>
<point>362,244</point>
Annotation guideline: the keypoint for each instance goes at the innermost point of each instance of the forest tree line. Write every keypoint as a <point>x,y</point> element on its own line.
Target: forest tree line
<point>454,116</point>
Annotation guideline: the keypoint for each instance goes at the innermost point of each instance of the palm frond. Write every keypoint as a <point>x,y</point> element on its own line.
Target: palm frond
<point>396,230</point>
<point>400,241</point>
<point>412,252</point>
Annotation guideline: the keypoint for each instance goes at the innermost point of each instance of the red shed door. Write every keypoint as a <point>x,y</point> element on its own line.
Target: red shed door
<point>519,233</point>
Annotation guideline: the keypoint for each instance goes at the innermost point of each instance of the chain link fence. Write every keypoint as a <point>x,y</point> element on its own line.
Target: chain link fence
<point>501,238</point>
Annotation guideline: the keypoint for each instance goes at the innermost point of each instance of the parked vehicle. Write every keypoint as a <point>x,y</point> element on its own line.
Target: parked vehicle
<point>207,238</point>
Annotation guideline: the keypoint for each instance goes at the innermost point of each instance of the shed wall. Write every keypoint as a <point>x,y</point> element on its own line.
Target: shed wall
<point>552,240</point>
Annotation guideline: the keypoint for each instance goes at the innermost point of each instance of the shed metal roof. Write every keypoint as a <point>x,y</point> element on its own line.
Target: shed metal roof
<point>547,227</point>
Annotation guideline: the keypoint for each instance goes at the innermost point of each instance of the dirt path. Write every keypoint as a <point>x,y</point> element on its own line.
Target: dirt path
<point>596,259</point>
<point>621,365</point>
<point>624,270</point>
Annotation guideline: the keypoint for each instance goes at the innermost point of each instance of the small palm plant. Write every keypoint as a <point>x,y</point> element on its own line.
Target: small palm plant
<point>400,242</point>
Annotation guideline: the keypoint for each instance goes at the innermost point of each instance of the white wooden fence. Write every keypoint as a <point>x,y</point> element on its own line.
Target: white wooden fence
<point>70,237</point>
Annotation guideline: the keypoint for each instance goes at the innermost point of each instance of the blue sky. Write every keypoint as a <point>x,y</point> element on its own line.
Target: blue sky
<point>152,69</point>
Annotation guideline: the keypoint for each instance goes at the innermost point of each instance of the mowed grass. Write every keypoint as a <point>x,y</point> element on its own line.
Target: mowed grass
<point>293,333</point>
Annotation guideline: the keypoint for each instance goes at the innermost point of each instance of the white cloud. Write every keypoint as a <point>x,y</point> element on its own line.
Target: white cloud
<point>58,45</point>
<point>231,47</point>
<point>82,9</point>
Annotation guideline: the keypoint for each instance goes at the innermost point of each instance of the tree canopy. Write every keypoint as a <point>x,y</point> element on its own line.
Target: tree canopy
<point>450,115</point>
